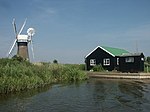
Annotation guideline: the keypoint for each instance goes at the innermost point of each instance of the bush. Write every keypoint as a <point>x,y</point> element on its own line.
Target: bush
<point>55,62</point>
<point>148,59</point>
<point>98,68</point>
<point>147,68</point>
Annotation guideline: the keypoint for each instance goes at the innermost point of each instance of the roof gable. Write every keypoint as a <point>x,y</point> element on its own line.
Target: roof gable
<point>112,51</point>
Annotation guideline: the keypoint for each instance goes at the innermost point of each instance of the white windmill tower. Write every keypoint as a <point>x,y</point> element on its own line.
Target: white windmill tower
<point>22,41</point>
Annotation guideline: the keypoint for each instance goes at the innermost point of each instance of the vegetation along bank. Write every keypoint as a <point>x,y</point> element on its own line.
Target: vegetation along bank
<point>17,74</point>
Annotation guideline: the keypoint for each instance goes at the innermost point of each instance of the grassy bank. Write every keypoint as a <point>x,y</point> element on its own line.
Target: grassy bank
<point>17,75</point>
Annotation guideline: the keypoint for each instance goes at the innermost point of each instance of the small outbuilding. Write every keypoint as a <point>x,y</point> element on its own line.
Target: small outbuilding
<point>115,59</point>
<point>133,62</point>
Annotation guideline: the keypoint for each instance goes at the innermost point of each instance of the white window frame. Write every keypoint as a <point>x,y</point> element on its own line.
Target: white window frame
<point>117,61</point>
<point>92,62</point>
<point>129,59</point>
<point>106,62</point>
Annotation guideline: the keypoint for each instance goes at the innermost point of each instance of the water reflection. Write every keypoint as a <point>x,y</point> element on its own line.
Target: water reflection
<point>24,94</point>
<point>132,94</point>
<point>90,96</point>
<point>120,95</point>
<point>18,102</point>
<point>104,94</point>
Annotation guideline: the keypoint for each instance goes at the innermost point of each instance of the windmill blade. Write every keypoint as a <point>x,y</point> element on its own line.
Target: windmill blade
<point>22,27</point>
<point>14,26</point>
<point>32,49</point>
<point>12,47</point>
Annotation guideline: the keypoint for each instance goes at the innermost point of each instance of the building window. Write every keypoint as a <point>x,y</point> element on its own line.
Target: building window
<point>106,62</point>
<point>92,62</point>
<point>129,59</point>
<point>117,61</point>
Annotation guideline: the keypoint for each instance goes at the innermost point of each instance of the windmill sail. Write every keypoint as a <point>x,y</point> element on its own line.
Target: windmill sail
<point>12,47</point>
<point>14,26</point>
<point>22,26</point>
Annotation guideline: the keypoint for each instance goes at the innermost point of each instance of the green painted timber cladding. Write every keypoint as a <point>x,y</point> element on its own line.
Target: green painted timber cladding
<point>115,51</point>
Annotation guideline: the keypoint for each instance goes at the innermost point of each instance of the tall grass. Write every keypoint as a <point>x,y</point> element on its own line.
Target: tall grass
<point>17,75</point>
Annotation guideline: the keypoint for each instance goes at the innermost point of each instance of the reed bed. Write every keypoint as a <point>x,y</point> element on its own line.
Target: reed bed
<point>18,75</point>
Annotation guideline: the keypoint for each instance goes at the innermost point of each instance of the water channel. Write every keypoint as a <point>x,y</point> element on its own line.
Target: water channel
<point>94,95</point>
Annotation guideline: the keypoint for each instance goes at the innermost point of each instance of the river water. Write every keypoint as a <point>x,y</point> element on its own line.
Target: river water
<point>94,95</point>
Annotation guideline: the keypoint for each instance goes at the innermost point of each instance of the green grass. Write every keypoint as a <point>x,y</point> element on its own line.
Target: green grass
<point>17,75</point>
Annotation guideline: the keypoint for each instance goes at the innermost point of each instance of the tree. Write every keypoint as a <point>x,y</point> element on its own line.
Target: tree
<point>18,58</point>
<point>55,62</point>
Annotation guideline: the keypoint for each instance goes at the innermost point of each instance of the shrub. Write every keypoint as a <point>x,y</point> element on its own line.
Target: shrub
<point>55,62</point>
<point>98,68</point>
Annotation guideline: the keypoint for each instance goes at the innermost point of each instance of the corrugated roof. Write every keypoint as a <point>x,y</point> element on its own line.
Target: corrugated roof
<point>115,51</point>
<point>132,54</point>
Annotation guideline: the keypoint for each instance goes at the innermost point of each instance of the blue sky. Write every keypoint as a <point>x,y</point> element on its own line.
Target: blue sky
<point>67,30</point>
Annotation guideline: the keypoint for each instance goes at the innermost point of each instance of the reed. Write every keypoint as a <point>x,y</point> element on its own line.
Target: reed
<point>17,75</point>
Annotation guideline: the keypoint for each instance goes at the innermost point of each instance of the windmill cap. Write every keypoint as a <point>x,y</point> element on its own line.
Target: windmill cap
<point>22,38</point>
